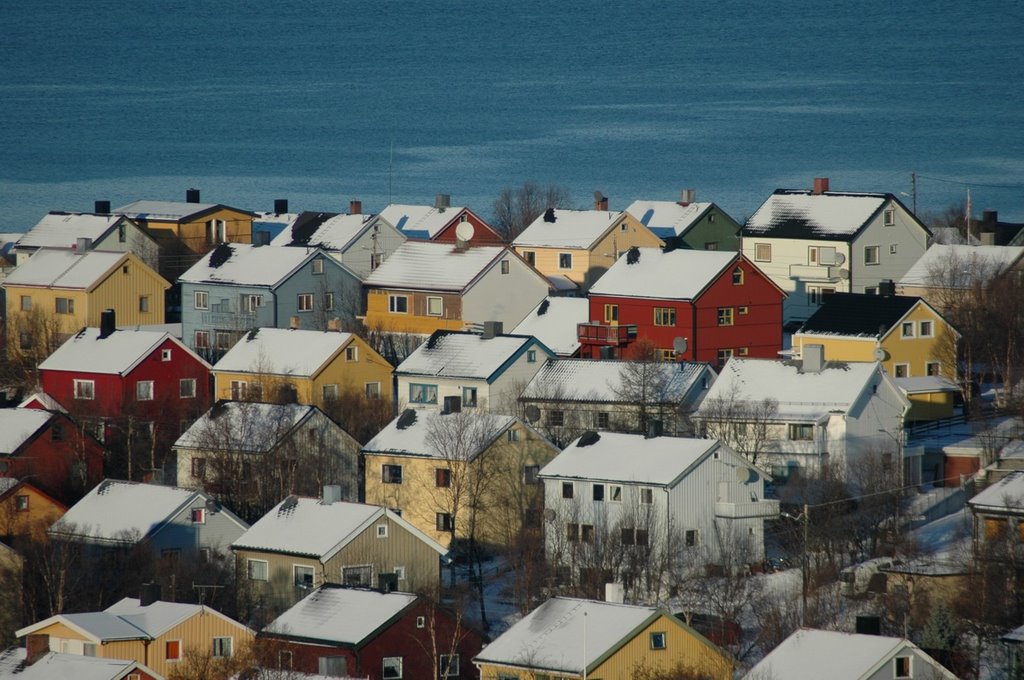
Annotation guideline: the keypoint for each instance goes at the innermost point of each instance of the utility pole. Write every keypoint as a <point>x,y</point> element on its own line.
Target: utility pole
<point>803,571</point>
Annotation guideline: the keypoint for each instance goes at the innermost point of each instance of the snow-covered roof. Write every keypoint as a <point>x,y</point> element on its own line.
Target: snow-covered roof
<point>553,322</point>
<point>157,617</point>
<point>335,615</point>
<point>419,221</point>
<point>63,268</point>
<point>548,638</point>
<point>620,457</point>
<point>847,656</point>
<point>56,665</point>
<point>800,395</point>
<point>247,265</point>
<point>434,266</point>
<point>43,400</point>
<point>925,384</point>
<point>960,266</point>
<point>676,275</point>
<point>430,433</point>
<point>62,229</point>
<point>116,354</point>
<point>273,218</point>
<point>165,210</point>
<point>803,214</point>
<point>601,381</point>
<point>328,231</point>
<point>1016,635</point>
<point>306,526</point>
<point>251,427</point>
<point>283,351</point>
<point>17,425</point>
<point>667,218</point>
<point>454,354</point>
<point>120,511</point>
<point>1007,494</point>
<point>571,229</point>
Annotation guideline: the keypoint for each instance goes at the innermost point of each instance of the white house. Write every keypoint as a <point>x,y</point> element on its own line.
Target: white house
<point>360,242</point>
<point>479,370</point>
<point>812,243</point>
<point>694,499</point>
<point>88,231</point>
<point>554,323</point>
<point>819,413</point>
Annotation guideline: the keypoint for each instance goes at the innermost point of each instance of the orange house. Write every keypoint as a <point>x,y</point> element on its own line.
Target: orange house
<point>26,510</point>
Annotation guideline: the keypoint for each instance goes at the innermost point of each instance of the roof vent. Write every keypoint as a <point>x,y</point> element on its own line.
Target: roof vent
<point>633,255</point>
<point>549,215</point>
<point>407,419</point>
<point>220,255</point>
<point>543,309</point>
<point>588,438</point>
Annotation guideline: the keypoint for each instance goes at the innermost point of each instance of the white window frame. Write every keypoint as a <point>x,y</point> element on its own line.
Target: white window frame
<point>531,356</point>
<point>181,651</point>
<point>144,390</point>
<point>421,621</point>
<point>400,573</point>
<point>389,478</point>
<point>614,493</point>
<point>659,640</point>
<point>762,252</point>
<point>504,267</point>
<point>198,515</point>
<point>218,654</point>
<point>889,217</point>
<point>795,431</point>
<point>451,669</point>
<point>318,265</point>
<point>329,301</point>
<point>329,392</point>
<point>372,390</point>
<point>351,353</point>
<point>435,305</point>
<point>384,665</point>
<point>205,344</point>
<point>646,495</point>
<point>393,304</point>
<point>201,299</point>
<point>921,329</point>
<point>362,568</point>
<point>877,251</point>
<point>84,389</point>
<point>928,368</point>
<point>187,388</point>
<point>382,531</point>
<point>305,302</point>
<point>296,569</point>
<point>908,329</point>
<point>896,368</point>
<point>896,666</point>
<point>253,303</point>
<point>69,305</point>
<point>250,563</point>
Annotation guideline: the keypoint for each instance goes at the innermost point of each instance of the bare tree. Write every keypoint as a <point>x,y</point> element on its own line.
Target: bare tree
<point>516,207</point>
<point>643,381</point>
<point>743,424</point>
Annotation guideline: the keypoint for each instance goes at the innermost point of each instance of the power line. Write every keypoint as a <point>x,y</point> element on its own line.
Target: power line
<point>971,184</point>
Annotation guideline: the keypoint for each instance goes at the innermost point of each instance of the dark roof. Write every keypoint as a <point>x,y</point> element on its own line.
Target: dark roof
<point>858,314</point>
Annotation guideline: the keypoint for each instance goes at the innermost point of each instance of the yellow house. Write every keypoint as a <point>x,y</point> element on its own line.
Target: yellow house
<point>580,245</point>
<point>313,367</point>
<point>457,475</point>
<point>25,510</point>
<point>622,640</point>
<point>905,334</point>
<point>58,291</point>
<point>149,631</point>
<point>198,226</point>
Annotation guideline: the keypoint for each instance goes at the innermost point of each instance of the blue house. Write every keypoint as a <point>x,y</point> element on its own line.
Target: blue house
<point>238,287</point>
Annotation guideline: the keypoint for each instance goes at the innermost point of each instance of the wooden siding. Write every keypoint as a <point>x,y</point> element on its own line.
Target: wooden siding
<point>196,635</point>
<point>121,291</point>
<point>683,645</point>
<point>401,548</point>
<point>416,320</point>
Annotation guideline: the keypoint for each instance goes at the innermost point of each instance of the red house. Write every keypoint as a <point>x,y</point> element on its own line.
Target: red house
<point>49,450</point>
<point>339,631</point>
<point>440,222</point>
<point>692,305</point>
<point>139,384</point>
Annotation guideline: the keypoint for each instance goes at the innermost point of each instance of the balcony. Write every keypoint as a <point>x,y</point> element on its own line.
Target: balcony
<point>816,272</point>
<point>747,510</point>
<point>594,333</point>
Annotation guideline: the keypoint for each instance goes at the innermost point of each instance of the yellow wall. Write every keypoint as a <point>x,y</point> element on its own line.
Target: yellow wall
<point>930,405</point>
<point>416,321</point>
<point>42,512</point>
<point>193,234</point>
<point>683,646</point>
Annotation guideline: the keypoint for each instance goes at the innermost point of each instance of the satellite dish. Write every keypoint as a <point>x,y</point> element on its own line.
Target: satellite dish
<point>746,475</point>
<point>679,345</point>
<point>881,354</point>
<point>464,231</point>
<point>549,515</point>
<point>532,413</point>
<point>844,273</point>
<point>840,258</point>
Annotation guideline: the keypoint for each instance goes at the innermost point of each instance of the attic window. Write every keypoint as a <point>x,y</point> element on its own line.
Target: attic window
<point>504,266</point>
<point>737,277</point>
<point>198,515</point>
<point>421,621</point>
<point>658,640</point>
<point>318,266</point>
<point>889,218</point>
<point>124,269</point>
<point>902,667</point>
<point>382,531</point>
<point>165,355</point>
<point>21,503</point>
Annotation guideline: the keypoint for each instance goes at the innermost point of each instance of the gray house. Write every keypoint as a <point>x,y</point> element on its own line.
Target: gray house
<point>238,287</point>
<point>89,231</point>
<point>360,242</point>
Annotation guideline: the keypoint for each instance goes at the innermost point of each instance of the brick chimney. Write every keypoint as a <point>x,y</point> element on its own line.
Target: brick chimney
<point>355,207</point>
<point>820,185</point>
<point>600,201</point>
<point>37,645</point>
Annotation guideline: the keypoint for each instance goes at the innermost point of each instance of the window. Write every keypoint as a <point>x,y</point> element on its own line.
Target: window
<point>449,665</point>
<point>892,248</point>
<point>144,390</point>
<point>597,491</point>
<point>252,302</point>
<point>122,236</point>
<point>442,477</point>
<point>284,660</point>
<point>725,316</point>
<point>927,329</point>
<point>361,576</point>
<point>724,355</point>
<point>202,340</point>
<point>615,493</point>
<point>601,420</point>
<point>628,536</point>
<point>587,533</point>
<point>512,435</point>
<point>743,351</point>
<point>302,576</point>
<point>85,389</point>
<point>443,521</point>
<point>646,495</point>
<point>691,538</point>
<point>198,515</point>
<point>224,340</point>
<point>567,490</point>
<point>531,474</point>
<point>504,266</point>
<point>202,299</point>
<point>871,255</point>
<point>658,641</point>
<point>329,392</point>
<point>902,667</point>
<point>611,313</point>
<point>333,666</point>
<point>65,306</point>
<point>144,304</point>
<point>743,311</point>
<point>469,396</point>
<point>391,474</point>
<point>435,306</point>
<point>305,302</point>
<point>238,389</point>
<point>421,621</point>
<point>907,329</point>
<point>422,394</point>
<point>901,370</point>
<point>572,532</point>
<point>382,531</point>
<point>762,252</point>
<point>871,290</point>
<point>556,418</point>
<point>801,432</point>
<point>531,356</point>
<point>89,649</point>
<point>318,266</point>
<point>221,647</point>
<point>711,245</point>
<point>565,260</point>
<point>642,537</point>
<point>737,276</point>
<point>26,303</point>
<point>391,668</point>
<point>217,231</point>
<point>933,368</point>
<point>664,316</point>
<point>199,468</point>
<point>256,570</point>
<point>21,503</point>
<point>172,650</point>
<point>372,390</point>
<point>889,217</point>
<point>25,339</point>
<point>329,301</point>
<point>398,304</point>
<point>351,353</point>
<point>530,257</point>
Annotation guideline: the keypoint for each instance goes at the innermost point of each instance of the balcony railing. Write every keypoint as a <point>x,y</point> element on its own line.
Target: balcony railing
<point>815,272</point>
<point>747,510</point>
<point>593,333</point>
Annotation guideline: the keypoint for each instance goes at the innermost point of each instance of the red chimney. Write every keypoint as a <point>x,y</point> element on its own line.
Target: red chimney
<point>355,207</point>
<point>820,185</point>
<point>37,645</point>
<point>601,203</point>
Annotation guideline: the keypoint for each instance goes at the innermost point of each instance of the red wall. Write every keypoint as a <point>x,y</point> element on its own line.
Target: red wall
<point>483,233</point>
<point>49,463</point>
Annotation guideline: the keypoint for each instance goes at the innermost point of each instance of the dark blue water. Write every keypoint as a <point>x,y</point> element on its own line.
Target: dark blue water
<point>304,100</point>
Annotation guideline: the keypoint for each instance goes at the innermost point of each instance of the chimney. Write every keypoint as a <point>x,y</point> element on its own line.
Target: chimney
<point>332,494</point>
<point>687,197</point>
<point>600,201</point>
<point>813,358</point>
<point>887,288</point>
<point>334,324</point>
<point>614,593</point>
<point>294,323</point>
<point>869,625</point>
<point>37,645</point>
<point>442,201</point>
<point>549,215</point>
<point>102,207</point>
<point>990,216</point>
<point>108,323</point>
<point>654,428</point>
<point>149,594</point>
<point>83,244</point>
<point>492,329</point>
<point>192,196</point>
<point>280,206</point>
<point>820,185</point>
<point>355,207</point>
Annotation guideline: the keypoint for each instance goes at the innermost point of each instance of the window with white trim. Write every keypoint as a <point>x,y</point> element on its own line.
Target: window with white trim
<point>144,390</point>
<point>198,515</point>
<point>448,666</point>
<point>872,255</point>
<point>318,265</point>
<point>398,304</point>
<point>907,329</point>
<point>659,640</point>
<point>889,217</point>
<point>333,666</point>
<point>222,647</point>
<point>305,302</point>
<point>504,266</point>
<point>646,495</point>
<point>202,299</point>
<point>329,301</point>
<point>435,306</point>
<point>801,432</point>
<point>256,570</point>
<point>172,650</point>
<point>351,353</point>
<point>65,305</point>
<point>382,531</point>
<point>762,252</point>
<point>202,340</point>
<point>933,368</point>
<point>372,390</point>
<point>391,668</point>
<point>85,389</point>
<point>901,370</point>
<point>926,329</point>
<point>330,392</point>
<point>302,576</point>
